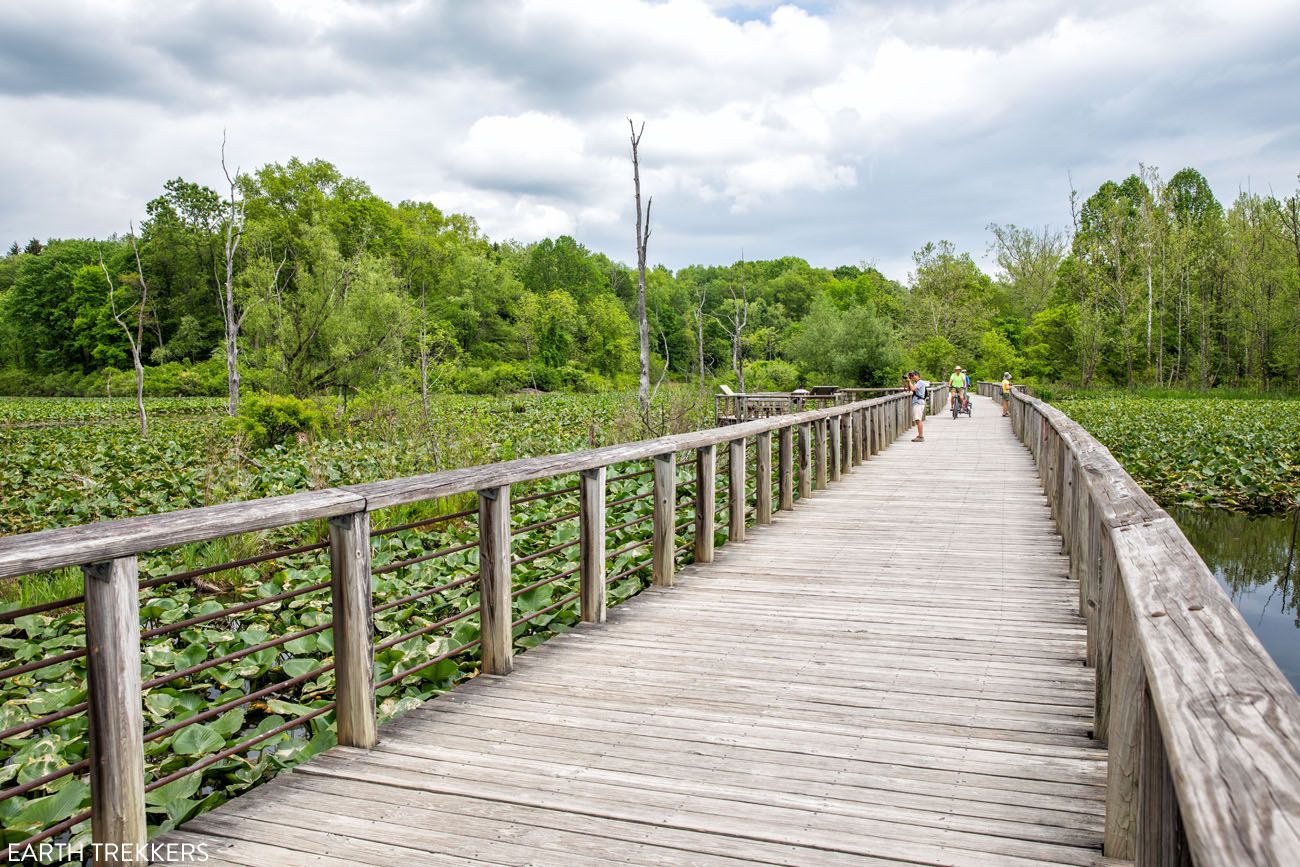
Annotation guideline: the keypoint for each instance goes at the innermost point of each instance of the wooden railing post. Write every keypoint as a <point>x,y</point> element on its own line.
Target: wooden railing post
<point>785,460</point>
<point>665,518</point>
<point>736,491</point>
<point>591,533</point>
<point>835,448</point>
<point>354,644</point>
<point>822,470</point>
<point>763,478</point>
<point>805,460</point>
<point>706,468</point>
<point>116,715</point>
<point>1161,841</point>
<point>846,444</point>
<point>494,579</point>
<point>855,438</point>
<point>1122,733</point>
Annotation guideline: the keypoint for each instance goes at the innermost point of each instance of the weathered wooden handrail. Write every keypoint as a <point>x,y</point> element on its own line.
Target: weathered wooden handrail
<point>994,389</point>
<point>838,437</point>
<point>1202,728</point>
<point>107,540</point>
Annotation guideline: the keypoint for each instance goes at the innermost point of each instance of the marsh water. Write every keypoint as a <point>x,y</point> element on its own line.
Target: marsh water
<point>1256,562</point>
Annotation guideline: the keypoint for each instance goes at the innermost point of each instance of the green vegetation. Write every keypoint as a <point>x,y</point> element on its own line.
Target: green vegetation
<point>86,468</point>
<point>334,290</point>
<point>52,746</point>
<point>357,328</point>
<point>94,465</point>
<point>1241,454</point>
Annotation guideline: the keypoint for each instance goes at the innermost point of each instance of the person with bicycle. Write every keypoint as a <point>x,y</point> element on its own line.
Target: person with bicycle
<point>957,385</point>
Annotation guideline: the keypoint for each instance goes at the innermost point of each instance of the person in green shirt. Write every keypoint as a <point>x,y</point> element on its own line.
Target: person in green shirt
<point>957,387</point>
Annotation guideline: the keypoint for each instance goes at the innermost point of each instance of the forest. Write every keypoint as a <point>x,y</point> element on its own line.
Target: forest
<point>324,288</point>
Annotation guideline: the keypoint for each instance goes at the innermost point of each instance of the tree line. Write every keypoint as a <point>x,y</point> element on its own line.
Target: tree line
<point>298,279</point>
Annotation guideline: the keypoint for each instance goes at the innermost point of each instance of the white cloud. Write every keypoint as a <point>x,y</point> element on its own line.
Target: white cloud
<point>836,131</point>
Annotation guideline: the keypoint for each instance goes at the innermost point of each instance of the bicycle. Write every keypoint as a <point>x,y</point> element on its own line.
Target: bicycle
<point>961,404</point>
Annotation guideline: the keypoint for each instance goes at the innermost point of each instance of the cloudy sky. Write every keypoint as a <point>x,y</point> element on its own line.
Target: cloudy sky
<point>836,131</point>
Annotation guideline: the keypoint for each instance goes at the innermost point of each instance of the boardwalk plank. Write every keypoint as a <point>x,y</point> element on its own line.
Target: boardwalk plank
<point>890,673</point>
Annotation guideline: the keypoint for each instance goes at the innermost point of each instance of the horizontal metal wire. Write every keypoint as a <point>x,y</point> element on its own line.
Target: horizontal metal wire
<point>425,522</point>
<point>543,495</point>
<point>540,525</point>
<point>217,711</point>
<point>443,552</point>
<point>23,789</point>
<point>231,657</point>
<point>42,663</point>
<point>233,564</point>
<point>422,666</point>
<point>551,580</point>
<point>641,543</point>
<point>554,605</point>
<point>635,475</point>
<point>451,585</point>
<point>15,850</point>
<point>238,748</point>
<point>631,499</point>
<point>631,523</point>
<point>644,564</point>
<point>14,613</point>
<point>234,609</point>
<point>545,552</point>
<point>45,720</point>
<point>425,630</point>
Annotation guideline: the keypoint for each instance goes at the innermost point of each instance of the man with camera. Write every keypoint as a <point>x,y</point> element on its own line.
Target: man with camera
<point>920,389</point>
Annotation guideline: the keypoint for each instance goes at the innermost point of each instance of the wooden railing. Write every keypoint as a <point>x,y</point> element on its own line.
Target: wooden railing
<point>1202,728</point>
<point>813,449</point>
<point>994,389</point>
<point>736,407</point>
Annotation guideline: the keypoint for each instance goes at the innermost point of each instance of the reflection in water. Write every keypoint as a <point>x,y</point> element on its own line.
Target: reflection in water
<point>1256,562</point>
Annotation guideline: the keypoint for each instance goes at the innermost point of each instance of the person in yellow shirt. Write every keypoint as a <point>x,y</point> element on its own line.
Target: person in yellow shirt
<point>1006,395</point>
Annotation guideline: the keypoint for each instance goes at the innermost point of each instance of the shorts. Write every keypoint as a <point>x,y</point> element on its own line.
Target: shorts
<point>918,411</point>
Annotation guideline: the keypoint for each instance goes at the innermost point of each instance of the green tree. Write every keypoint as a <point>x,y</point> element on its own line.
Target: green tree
<point>950,297</point>
<point>331,323</point>
<point>853,347</point>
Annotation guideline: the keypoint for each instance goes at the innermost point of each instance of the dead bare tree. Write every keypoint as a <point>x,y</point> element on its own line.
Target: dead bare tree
<point>737,318</point>
<point>234,319</point>
<point>642,239</point>
<point>1291,223</point>
<point>136,339</point>
<point>699,331</point>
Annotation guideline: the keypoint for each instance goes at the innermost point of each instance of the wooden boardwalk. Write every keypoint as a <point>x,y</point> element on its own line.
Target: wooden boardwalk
<point>891,673</point>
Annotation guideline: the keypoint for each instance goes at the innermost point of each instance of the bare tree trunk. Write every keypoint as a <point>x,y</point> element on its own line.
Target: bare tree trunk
<point>1150,299</point>
<point>739,318</point>
<point>1291,220</point>
<point>136,340</point>
<point>642,239</point>
<point>424,351</point>
<point>233,319</point>
<point>699,332</point>
<point>1160,352</point>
